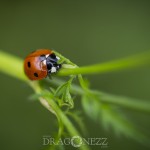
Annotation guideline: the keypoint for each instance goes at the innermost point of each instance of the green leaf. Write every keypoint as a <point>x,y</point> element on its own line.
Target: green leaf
<point>91,106</point>
<point>63,92</point>
<point>121,124</point>
<point>67,98</point>
<point>61,89</point>
<point>110,117</point>
<point>52,90</point>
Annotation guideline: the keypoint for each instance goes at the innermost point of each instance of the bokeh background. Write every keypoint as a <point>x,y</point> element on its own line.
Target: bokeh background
<point>86,32</point>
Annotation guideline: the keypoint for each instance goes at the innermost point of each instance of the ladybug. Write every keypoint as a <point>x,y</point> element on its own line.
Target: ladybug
<point>41,63</point>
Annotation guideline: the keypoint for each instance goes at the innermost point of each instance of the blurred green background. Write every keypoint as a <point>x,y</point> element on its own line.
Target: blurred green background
<point>86,32</point>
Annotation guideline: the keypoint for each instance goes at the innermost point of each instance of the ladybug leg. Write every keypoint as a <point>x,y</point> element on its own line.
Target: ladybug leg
<point>57,66</point>
<point>49,66</point>
<point>49,74</point>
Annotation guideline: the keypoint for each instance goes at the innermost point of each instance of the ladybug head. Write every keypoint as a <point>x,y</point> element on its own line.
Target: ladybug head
<point>51,62</point>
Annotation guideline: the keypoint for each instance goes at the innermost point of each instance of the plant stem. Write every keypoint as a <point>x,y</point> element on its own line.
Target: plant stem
<point>59,113</point>
<point>115,65</point>
<point>129,103</point>
<point>65,59</point>
<point>13,66</point>
<point>125,102</point>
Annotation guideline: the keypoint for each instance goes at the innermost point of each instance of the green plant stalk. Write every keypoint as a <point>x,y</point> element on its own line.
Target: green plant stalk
<point>14,67</point>
<point>126,102</point>
<point>17,64</point>
<point>115,65</point>
<point>46,102</point>
<point>129,103</point>
<point>62,118</point>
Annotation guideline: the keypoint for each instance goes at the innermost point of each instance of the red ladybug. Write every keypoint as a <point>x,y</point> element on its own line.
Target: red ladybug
<point>41,63</point>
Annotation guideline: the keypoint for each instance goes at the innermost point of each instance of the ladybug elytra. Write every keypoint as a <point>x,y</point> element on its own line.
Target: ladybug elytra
<point>41,63</point>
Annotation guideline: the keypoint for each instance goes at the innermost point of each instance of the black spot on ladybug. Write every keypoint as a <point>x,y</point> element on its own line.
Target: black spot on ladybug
<point>29,64</point>
<point>35,74</point>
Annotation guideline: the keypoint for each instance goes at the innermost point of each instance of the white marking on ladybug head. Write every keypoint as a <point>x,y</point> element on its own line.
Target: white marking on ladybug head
<point>47,55</point>
<point>53,69</point>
